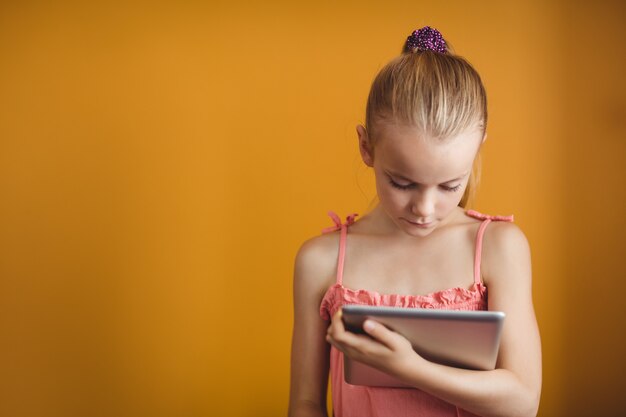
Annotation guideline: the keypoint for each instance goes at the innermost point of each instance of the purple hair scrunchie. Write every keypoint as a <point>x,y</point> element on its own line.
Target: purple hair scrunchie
<point>426,39</point>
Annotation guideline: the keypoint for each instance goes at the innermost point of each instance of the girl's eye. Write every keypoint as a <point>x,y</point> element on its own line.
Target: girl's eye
<point>400,186</point>
<point>411,186</point>
<point>451,189</point>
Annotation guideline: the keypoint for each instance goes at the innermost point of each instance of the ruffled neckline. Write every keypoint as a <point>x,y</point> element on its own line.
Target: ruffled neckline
<point>457,298</point>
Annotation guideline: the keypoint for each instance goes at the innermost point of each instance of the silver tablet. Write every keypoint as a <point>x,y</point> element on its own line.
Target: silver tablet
<point>464,339</point>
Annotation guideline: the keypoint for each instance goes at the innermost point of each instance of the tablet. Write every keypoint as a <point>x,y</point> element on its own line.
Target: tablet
<point>464,339</point>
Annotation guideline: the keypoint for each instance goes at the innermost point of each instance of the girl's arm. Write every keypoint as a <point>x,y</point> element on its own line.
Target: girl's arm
<point>309,350</point>
<point>513,388</point>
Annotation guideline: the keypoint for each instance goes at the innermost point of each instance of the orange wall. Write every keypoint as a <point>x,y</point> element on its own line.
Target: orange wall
<point>160,165</point>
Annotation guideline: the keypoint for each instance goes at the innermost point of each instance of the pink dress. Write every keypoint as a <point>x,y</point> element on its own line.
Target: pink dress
<point>361,401</point>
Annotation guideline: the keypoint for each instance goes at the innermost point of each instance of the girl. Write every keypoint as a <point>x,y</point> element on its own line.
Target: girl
<point>425,122</point>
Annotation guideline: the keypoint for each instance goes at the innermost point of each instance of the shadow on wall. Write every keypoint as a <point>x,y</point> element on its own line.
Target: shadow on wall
<point>595,184</point>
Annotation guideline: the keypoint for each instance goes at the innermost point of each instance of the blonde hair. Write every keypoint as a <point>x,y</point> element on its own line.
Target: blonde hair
<point>440,94</point>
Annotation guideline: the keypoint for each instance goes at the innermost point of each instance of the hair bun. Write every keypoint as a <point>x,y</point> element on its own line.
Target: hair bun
<point>426,39</point>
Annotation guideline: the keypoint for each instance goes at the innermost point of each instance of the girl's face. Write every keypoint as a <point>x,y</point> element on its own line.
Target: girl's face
<point>420,180</point>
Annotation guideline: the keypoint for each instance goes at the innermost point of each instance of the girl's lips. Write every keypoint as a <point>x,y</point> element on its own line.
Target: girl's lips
<point>422,225</point>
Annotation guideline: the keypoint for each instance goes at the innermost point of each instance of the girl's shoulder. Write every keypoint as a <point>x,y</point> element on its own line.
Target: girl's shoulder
<point>503,235</point>
<point>501,228</point>
<point>504,246</point>
<point>318,248</point>
<point>316,261</point>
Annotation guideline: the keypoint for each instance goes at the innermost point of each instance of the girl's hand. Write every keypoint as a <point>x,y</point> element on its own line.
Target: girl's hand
<point>383,349</point>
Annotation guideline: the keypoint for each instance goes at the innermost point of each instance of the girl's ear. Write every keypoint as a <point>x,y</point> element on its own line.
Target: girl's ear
<point>365,147</point>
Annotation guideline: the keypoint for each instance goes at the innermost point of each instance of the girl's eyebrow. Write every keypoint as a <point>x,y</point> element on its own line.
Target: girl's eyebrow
<point>402,177</point>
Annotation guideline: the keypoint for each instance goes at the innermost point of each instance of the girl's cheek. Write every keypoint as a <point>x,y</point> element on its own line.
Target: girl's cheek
<point>452,201</point>
<point>402,203</point>
<point>384,192</point>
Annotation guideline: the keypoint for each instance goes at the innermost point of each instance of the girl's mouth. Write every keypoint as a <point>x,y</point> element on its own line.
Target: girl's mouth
<point>423,225</point>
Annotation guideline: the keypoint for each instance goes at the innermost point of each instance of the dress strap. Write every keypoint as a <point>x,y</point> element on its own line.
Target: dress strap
<point>486,219</point>
<point>342,240</point>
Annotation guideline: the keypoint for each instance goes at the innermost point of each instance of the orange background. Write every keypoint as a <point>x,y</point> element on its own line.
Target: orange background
<point>161,163</point>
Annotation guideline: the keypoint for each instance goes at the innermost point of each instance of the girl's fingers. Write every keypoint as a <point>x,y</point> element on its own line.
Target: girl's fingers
<point>381,333</point>
<point>380,347</point>
<point>352,344</point>
<point>344,337</point>
<point>338,334</point>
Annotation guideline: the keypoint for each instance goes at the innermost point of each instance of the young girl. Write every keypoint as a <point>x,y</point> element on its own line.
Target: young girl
<point>425,123</point>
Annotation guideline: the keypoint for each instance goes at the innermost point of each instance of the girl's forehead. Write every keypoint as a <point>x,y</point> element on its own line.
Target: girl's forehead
<point>390,129</point>
<point>408,152</point>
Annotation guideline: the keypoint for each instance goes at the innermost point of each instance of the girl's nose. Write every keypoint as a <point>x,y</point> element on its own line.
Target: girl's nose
<point>423,205</point>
